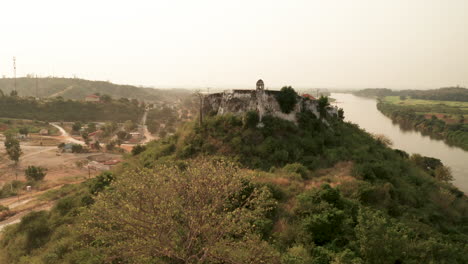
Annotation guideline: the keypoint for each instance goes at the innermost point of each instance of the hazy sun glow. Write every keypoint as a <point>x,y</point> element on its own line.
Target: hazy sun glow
<point>219,43</point>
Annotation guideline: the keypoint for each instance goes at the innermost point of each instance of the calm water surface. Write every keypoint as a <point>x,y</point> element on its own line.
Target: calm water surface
<point>363,111</point>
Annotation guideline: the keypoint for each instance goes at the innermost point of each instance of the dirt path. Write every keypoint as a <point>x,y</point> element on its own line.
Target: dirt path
<point>148,136</point>
<point>61,92</point>
<point>26,203</point>
<point>17,217</point>
<point>67,136</point>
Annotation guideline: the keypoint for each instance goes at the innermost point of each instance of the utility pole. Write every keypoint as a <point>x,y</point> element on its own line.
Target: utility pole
<point>14,72</point>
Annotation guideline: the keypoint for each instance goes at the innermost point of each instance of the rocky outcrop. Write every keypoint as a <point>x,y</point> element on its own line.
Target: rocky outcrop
<point>262,101</point>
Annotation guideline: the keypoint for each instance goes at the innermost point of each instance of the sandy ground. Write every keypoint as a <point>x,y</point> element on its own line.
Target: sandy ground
<point>59,166</point>
<point>62,169</point>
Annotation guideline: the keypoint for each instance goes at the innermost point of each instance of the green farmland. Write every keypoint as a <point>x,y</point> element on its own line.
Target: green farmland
<point>446,120</point>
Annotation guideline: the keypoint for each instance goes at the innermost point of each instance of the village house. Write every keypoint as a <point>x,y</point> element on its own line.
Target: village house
<point>43,132</point>
<point>93,98</point>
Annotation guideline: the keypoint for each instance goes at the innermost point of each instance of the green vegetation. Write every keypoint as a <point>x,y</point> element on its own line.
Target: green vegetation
<point>11,188</point>
<point>34,173</point>
<point>67,110</point>
<point>78,89</point>
<point>14,126</point>
<point>13,150</point>
<point>231,192</point>
<point>162,120</point>
<point>287,99</point>
<point>443,94</point>
<point>441,119</point>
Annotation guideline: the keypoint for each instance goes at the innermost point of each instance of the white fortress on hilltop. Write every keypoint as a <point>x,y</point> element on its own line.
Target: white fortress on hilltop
<point>262,101</point>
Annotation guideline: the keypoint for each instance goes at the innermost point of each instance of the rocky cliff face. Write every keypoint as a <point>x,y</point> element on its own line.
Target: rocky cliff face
<point>263,102</point>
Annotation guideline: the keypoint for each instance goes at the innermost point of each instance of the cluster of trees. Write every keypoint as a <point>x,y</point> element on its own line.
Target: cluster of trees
<point>25,127</point>
<point>67,110</point>
<point>442,94</point>
<point>162,120</point>
<point>412,117</point>
<point>228,191</point>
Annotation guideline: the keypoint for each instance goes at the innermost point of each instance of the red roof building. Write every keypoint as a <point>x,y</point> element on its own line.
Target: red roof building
<point>309,96</point>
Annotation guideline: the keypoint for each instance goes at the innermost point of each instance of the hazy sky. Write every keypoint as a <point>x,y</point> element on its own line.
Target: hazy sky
<point>220,43</point>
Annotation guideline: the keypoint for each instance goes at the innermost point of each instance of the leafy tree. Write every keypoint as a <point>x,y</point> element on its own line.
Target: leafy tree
<point>13,150</point>
<point>380,239</point>
<point>443,173</point>
<point>402,97</point>
<point>36,230</point>
<point>341,114</point>
<point>85,137</point>
<point>110,146</point>
<point>135,102</point>
<point>323,104</point>
<point>109,128</point>
<point>77,148</point>
<point>24,131</point>
<point>76,126</point>
<point>122,135</point>
<point>129,126</point>
<point>34,173</point>
<point>91,127</point>
<point>138,149</point>
<point>251,119</point>
<point>200,214</point>
<point>97,145</point>
<point>106,98</point>
<point>287,99</point>
<point>101,182</point>
<point>383,139</point>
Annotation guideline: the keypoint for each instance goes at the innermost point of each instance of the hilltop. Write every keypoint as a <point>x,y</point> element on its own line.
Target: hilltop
<point>78,89</point>
<point>231,191</point>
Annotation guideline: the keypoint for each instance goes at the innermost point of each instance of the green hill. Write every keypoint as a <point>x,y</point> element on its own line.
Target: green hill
<point>230,191</point>
<point>78,89</point>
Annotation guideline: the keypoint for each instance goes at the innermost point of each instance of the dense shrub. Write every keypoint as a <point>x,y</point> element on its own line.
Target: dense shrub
<point>34,173</point>
<point>287,99</point>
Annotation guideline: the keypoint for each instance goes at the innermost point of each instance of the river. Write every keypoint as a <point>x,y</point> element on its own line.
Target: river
<point>363,111</point>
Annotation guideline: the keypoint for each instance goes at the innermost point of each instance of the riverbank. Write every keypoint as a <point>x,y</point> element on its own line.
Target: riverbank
<point>438,119</point>
<point>363,112</point>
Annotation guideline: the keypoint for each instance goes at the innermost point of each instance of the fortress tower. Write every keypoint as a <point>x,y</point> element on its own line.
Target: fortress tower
<point>260,85</point>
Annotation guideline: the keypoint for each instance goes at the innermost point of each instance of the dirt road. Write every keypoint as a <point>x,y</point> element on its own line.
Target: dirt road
<point>148,136</point>
<point>67,136</point>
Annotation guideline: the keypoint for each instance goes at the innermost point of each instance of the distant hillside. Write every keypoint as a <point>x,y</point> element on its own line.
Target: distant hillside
<point>71,88</point>
<point>443,94</point>
<point>374,92</point>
